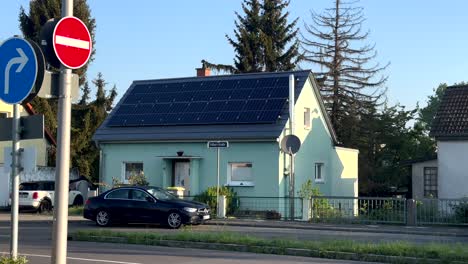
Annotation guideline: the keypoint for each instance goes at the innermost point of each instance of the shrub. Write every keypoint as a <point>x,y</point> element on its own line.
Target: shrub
<point>321,208</point>
<point>461,212</point>
<point>209,197</point>
<point>8,260</point>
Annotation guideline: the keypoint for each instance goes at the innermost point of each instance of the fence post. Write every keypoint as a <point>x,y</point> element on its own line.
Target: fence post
<point>411,214</point>
<point>306,209</point>
<point>222,206</point>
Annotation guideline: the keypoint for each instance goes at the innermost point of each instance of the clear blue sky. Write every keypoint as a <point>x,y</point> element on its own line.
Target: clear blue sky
<point>426,41</point>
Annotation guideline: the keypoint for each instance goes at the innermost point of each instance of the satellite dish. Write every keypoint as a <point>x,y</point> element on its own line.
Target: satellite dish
<point>290,144</point>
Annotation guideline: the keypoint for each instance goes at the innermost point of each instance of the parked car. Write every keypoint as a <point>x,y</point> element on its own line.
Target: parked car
<point>39,196</point>
<point>144,204</point>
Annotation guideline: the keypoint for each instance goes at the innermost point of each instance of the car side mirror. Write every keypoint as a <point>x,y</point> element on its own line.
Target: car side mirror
<point>149,199</point>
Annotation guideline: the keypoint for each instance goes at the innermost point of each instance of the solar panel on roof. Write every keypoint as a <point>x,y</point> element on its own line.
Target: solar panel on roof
<point>224,100</point>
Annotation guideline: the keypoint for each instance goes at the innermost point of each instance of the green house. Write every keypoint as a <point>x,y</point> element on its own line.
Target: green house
<point>161,128</point>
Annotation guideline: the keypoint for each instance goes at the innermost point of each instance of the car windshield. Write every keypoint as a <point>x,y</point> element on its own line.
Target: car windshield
<point>161,194</point>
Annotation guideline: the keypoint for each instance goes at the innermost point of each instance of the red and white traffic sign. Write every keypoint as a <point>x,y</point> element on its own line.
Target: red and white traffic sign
<point>72,42</point>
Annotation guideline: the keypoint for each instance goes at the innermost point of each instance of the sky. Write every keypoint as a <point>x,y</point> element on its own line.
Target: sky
<point>425,41</point>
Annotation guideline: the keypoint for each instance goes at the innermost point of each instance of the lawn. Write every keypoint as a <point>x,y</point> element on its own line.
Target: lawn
<point>443,252</point>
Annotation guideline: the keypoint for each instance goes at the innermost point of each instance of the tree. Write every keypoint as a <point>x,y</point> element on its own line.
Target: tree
<point>350,80</point>
<point>85,94</point>
<point>263,39</point>
<point>86,119</point>
<point>426,114</point>
<point>41,11</point>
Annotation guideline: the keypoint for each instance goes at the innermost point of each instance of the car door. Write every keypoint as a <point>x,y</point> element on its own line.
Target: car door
<point>118,203</point>
<point>144,207</point>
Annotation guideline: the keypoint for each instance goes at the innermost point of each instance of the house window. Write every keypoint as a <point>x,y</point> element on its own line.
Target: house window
<point>307,117</point>
<point>430,182</point>
<point>240,174</point>
<point>3,115</point>
<point>319,174</point>
<point>132,169</point>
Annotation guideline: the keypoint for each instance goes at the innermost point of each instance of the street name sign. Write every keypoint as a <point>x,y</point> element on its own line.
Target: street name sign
<point>18,69</point>
<point>32,127</point>
<point>72,42</point>
<point>218,144</point>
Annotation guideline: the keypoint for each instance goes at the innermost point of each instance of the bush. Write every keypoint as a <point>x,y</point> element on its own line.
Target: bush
<point>209,197</point>
<point>461,212</point>
<point>321,208</point>
<point>8,260</point>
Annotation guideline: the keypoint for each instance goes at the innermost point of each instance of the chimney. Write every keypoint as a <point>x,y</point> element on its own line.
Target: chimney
<point>204,70</point>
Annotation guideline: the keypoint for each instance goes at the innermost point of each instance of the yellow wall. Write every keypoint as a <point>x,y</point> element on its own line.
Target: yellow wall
<point>40,144</point>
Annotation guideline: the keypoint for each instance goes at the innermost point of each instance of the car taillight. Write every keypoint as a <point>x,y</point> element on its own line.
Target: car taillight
<point>88,202</point>
<point>35,195</point>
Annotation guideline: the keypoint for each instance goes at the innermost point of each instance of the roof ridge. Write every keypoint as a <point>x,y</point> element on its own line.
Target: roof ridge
<point>240,75</point>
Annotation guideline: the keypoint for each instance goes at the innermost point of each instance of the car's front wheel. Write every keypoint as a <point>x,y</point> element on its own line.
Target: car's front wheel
<point>174,220</point>
<point>103,218</point>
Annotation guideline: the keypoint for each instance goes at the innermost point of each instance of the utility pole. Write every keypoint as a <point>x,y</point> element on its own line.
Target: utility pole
<point>15,152</point>
<point>60,232</point>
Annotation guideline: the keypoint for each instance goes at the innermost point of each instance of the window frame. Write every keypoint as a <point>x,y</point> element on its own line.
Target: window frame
<point>321,164</point>
<point>124,169</point>
<point>230,182</point>
<point>106,197</point>
<point>430,180</point>
<point>307,118</point>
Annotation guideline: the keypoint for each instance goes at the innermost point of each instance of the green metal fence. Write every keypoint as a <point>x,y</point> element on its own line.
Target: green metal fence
<point>328,209</point>
<point>336,209</point>
<point>442,212</point>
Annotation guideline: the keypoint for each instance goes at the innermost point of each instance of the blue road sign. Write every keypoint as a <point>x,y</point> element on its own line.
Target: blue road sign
<point>18,70</point>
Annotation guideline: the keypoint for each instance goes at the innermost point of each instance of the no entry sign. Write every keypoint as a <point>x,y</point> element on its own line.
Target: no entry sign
<point>72,42</point>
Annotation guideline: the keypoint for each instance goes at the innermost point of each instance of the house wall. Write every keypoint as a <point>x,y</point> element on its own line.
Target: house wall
<point>158,171</point>
<point>452,169</point>
<point>417,177</point>
<point>40,144</point>
<point>340,164</point>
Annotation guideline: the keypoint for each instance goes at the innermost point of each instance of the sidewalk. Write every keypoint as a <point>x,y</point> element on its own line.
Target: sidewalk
<point>453,231</point>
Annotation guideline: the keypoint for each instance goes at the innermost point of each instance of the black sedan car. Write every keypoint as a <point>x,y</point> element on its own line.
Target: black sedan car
<point>144,204</point>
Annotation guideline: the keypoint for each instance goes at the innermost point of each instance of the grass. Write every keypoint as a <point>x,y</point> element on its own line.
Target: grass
<point>443,252</point>
<point>75,210</point>
<point>8,260</point>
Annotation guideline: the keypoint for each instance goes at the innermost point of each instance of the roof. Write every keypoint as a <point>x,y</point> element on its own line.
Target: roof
<point>127,122</point>
<point>451,119</point>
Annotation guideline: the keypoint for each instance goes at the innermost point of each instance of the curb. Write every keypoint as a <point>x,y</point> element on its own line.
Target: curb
<point>268,250</point>
<point>341,229</point>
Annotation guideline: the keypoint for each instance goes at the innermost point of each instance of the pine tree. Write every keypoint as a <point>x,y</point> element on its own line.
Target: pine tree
<point>350,80</point>
<point>85,96</point>
<point>276,35</point>
<point>40,11</point>
<point>263,39</point>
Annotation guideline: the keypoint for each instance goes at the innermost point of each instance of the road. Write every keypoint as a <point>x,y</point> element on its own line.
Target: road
<point>35,244</point>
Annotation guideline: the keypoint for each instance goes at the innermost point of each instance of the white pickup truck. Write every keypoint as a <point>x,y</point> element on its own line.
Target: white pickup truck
<point>39,196</point>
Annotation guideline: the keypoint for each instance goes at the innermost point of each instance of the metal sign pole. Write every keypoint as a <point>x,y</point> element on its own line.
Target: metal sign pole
<point>15,182</point>
<point>291,187</point>
<point>217,185</point>
<point>59,250</point>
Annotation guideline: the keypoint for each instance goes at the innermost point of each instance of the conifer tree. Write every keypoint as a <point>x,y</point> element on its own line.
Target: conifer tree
<point>85,94</point>
<point>263,39</point>
<point>41,11</point>
<point>351,82</point>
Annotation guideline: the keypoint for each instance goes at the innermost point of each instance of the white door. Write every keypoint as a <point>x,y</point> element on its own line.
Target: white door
<point>182,174</point>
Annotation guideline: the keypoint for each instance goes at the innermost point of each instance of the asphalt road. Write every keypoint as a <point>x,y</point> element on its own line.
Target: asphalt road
<point>35,244</point>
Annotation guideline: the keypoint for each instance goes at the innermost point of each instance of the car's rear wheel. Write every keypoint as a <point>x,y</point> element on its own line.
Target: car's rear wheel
<point>78,201</point>
<point>103,218</point>
<point>44,207</point>
<point>174,220</point>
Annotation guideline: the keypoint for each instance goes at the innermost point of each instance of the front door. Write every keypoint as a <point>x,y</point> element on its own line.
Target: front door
<point>182,175</point>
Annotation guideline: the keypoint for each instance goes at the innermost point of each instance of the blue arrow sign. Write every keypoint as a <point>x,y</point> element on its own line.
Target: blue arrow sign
<point>18,70</point>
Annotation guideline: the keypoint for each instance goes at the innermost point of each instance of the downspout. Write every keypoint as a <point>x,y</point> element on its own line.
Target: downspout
<point>291,104</point>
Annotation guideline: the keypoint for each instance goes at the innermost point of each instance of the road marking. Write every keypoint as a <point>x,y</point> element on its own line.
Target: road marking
<point>82,259</point>
<point>77,43</point>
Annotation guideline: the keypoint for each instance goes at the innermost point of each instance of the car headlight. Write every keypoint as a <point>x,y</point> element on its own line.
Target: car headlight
<point>190,209</point>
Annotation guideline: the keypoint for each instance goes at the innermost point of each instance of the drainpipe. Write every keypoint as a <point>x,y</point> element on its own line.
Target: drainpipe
<point>291,155</point>
<point>291,104</point>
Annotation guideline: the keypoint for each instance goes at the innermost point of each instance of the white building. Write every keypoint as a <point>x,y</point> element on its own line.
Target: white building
<point>447,175</point>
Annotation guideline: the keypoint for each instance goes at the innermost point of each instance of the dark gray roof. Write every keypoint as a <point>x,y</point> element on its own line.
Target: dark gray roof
<point>203,132</point>
<point>451,119</point>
